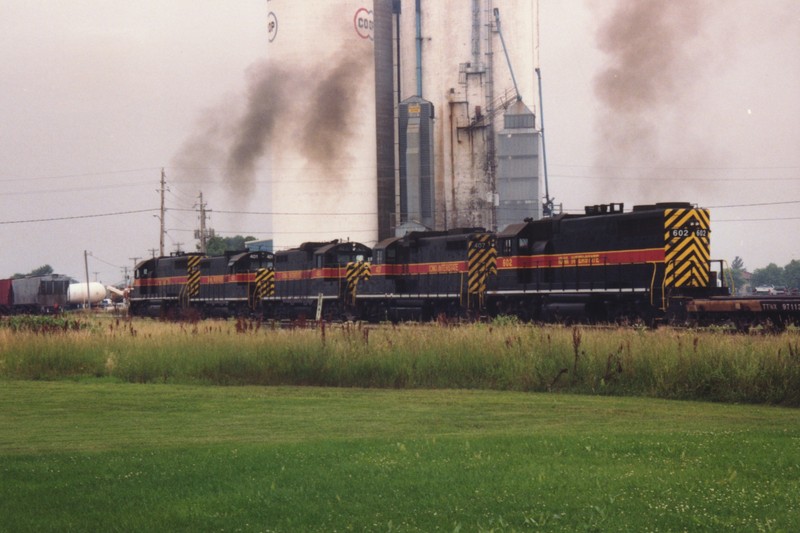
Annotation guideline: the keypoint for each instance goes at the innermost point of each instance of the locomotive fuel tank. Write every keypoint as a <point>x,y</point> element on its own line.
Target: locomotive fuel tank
<point>76,292</point>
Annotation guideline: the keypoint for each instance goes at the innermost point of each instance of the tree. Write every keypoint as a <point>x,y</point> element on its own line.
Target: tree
<point>217,245</point>
<point>44,270</point>
<point>772,274</point>
<point>791,274</point>
<point>736,273</point>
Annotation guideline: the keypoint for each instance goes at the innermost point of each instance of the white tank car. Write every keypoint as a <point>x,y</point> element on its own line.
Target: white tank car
<point>76,292</point>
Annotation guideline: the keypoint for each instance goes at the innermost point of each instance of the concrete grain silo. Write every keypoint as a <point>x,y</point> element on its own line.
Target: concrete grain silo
<point>389,114</point>
<point>324,157</point>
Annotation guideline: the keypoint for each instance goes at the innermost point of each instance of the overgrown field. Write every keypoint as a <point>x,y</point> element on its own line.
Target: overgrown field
<point>100,456</point>
<point>113,425</point>
<point>504,355</point>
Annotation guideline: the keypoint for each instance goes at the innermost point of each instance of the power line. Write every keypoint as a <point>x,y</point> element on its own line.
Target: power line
<point>374,213</point>
<point>93,256</point>
<point>755,219</point>
<point>74,189</point>
<point>754,205</point>
<point>633,167</point>
<point>83,175</point>
<point>53,219</point>
<point>669,178</point>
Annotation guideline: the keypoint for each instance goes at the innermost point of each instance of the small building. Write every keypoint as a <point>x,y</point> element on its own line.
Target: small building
<point>264,245</point>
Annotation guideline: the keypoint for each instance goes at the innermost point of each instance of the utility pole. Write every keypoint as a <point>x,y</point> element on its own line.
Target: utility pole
<point>86,266</point>
<point>203,234</point>
<point>163,231</point>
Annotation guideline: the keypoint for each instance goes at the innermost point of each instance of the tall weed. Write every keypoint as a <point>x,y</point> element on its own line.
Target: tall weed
<point>503,355</point>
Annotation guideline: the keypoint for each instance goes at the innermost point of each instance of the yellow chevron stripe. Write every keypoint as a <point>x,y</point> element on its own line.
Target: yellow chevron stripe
<point>686,257</point>
<point>482,261</point>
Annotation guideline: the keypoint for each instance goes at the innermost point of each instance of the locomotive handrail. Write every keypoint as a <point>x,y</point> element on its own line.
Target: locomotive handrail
<point>731,280</point>
<point>653,284</point>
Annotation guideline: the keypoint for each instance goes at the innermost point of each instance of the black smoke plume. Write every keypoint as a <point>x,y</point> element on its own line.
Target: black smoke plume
<point>655,59</point>
<point>318,101</point>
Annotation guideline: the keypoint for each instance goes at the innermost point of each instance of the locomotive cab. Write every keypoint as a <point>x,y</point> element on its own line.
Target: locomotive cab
<point>331,259</point>
<point>250,278</point>
<point>313,273</point>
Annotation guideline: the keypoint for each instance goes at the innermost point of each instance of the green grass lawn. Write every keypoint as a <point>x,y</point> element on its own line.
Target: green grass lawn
<point>104,456</point>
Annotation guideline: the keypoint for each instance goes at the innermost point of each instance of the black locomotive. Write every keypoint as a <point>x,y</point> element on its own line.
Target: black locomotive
<point>651,264</point>
<point>230,284</point>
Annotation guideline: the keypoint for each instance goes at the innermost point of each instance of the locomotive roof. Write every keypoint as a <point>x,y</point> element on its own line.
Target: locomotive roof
<point>601,210</point>
<point>336,245</point>
<point>238,256</point>
<point>414,236</point>
<point>312,246</point>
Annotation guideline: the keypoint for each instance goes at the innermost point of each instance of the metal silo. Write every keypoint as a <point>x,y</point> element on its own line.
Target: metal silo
<point>517,175</point>
<point>415,140</point>
<point>384,17</point>
<point>323,157</point>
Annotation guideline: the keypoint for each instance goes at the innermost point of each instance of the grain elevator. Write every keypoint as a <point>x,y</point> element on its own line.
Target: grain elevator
<point>402,115</point>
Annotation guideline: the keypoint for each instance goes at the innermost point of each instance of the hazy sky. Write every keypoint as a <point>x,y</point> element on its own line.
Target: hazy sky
<point>697,103</point>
